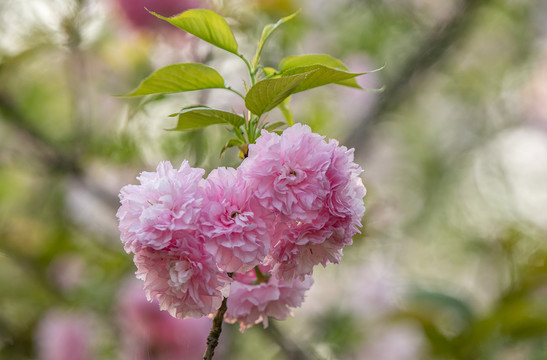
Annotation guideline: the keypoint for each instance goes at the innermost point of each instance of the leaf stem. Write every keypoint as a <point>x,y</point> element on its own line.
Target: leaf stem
<point>248,127</point>
<point>216,329</point>
<point>287,113</point>
<point>239,135</point>
<point>249,67</point>
<point>256,59</point>
<point>253,125</point>
<point>235,92</point>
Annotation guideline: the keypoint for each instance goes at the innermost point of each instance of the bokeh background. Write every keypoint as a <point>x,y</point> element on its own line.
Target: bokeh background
<point>451,263</point>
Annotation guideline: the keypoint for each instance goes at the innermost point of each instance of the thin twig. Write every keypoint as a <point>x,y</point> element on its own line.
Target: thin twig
<point>49,153</point>
<point>291,350</point>
<point>216,329</point>
<point>46,150</point>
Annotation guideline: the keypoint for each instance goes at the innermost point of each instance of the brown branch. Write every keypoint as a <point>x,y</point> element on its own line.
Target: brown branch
<point>46,150</point>
<point>49,153</point>
<point>291,350</point>
<point>432,50</point>
<point>216,329</point>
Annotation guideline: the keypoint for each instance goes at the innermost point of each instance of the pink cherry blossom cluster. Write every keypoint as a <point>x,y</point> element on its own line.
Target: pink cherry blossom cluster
<point>252,235</point>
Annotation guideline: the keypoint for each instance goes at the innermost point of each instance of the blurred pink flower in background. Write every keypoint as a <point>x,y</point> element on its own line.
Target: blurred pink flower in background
<point>151,334</point>
<point>396,342</point>
<point>377,287</point>
<point>67,271</point>
<point>135,11</point>
<point>63,335</point>
<point>534,94</point>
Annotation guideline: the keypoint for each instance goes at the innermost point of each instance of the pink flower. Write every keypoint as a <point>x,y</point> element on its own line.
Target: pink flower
<point>299,246</point>
<point>251,303</point>
<point>65,336</point>
<point>302,246</point>
<point>315,188</point>
<point>294,203</point>
<point>288,172</point>
<point>146,330</point>
<point>165,206</point>
<point>136,14</point>
<point>237,230</point>
<point>345,198</point>
<point>184,280</point>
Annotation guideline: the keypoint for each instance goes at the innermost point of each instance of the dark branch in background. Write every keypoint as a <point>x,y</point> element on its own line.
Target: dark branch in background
<point>50,154</point>
<point>46,150</point>
<point>291,350</point>
<point>434,47</point>
<point>77,76</point>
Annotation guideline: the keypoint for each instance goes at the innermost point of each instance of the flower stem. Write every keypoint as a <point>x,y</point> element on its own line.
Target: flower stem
<point>216,329</point>
<point>287,113</point>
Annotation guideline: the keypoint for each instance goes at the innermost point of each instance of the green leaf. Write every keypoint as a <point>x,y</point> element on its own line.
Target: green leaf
<point>432,301</point>
<point>206,25</point>
<point>269,71</point>
<point>177,78</point>
<point>231,143</point>
<point>267,32</point>
<point>275,125</point>
<point>292,62</point>
<point>270,28</point>
<point>320,75</point>
<point>267,94</point>
<point>197,117</point>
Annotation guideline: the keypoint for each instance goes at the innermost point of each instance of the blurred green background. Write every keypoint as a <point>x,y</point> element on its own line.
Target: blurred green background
<point>452,260</point>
